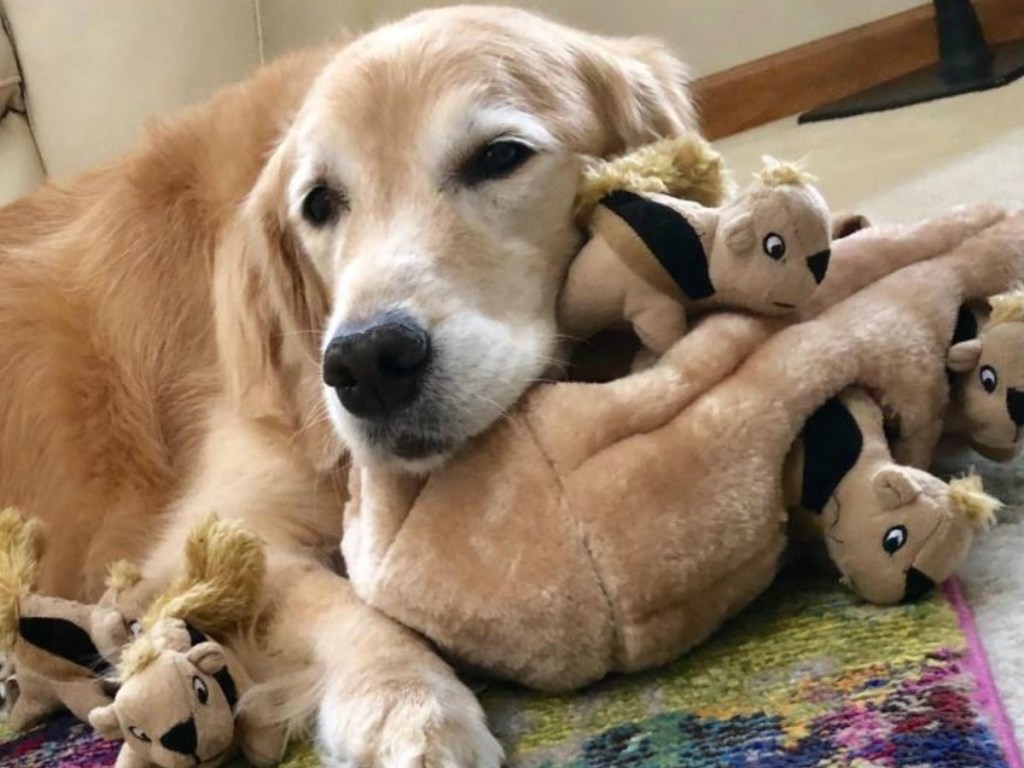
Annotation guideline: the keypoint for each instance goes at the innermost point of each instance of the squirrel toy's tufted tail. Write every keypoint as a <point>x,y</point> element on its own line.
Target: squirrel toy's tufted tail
<point>687,167</point>
<point>21,548</point>
<point>969,498</point>
<point>225,567</point>
<point>1007,307</point>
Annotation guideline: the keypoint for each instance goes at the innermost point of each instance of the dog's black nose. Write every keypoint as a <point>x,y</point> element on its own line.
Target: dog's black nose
<point>377,368</point>
<point>818,264</point>
<point>1015,405</point>
<point>181,738</point>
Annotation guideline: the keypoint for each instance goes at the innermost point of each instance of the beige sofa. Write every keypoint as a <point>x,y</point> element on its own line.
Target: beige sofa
<point>86,74</point>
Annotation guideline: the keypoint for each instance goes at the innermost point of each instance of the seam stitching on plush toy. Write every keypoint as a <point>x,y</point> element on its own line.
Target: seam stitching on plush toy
<point>612,612</point>
<point>682,604</point>
<point>394,540</point>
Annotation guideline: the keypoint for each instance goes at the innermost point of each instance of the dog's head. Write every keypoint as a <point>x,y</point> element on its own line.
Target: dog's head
<point>404,247</point>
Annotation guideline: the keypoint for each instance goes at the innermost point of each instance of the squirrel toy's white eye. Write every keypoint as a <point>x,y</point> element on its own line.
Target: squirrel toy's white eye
<point>138,733</point>
<point>774,246</point>
<point>989,378</point>
<point>895,539</point>
<point>202,692</point>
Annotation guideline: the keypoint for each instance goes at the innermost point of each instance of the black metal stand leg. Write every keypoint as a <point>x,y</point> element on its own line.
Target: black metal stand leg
<point>966,63</point>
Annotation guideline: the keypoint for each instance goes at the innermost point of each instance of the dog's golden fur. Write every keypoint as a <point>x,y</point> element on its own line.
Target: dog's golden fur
<point>106,326</point>
<point>161,317</point>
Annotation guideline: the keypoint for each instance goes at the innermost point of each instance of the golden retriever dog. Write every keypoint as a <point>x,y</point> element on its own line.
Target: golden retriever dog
<point>356,253</point>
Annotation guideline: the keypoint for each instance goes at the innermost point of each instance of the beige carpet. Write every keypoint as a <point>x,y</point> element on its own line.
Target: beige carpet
<point>906,164</point>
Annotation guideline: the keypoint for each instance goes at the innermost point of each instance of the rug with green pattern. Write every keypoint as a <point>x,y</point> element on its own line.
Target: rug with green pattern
<point>807,677</point>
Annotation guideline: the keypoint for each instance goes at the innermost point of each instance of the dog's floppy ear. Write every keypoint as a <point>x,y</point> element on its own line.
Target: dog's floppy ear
<point>639,88</point>
<point>270,305</point>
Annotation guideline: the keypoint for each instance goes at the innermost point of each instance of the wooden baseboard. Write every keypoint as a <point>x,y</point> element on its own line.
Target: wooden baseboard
<point>822,71</point>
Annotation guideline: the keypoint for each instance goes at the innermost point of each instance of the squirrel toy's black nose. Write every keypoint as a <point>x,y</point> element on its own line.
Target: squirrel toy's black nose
<point>1015,405</point>
<point>181,738</point>
<point>818,264</point>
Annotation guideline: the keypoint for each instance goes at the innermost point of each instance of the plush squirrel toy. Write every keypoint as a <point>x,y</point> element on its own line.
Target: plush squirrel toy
<point>653,257</point>
<point>987,368</point>
<point>60,650</point>
<point>894,532</point>
<point>180,701</point>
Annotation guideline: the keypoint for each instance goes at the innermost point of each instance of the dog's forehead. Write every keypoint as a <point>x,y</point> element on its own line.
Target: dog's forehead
<point>410,128</point>
<point>391,82</point>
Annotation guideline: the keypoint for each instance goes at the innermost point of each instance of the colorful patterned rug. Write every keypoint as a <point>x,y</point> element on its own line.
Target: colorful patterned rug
<point>807,677</point>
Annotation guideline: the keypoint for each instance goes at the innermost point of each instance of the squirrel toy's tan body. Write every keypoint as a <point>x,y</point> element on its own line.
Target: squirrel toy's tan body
<point>610,527</point>
<point>892,531</point>
<point>653,259</point>
<point>59,650</point>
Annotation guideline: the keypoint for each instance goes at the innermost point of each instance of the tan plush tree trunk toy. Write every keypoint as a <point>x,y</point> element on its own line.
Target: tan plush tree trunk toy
<point>611,527</point>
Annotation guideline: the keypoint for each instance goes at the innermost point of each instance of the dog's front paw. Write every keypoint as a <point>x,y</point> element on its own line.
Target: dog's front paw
<point>411,725</point>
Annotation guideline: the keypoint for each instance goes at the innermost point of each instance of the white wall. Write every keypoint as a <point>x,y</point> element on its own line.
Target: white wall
<point>290,24</point>
<point>710,34</point>
<point>108,64</point>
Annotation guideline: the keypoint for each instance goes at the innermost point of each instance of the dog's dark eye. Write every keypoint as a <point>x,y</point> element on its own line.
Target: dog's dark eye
<point>895,539</point>
<point>989,378</point>
<point>139,734</point>
<point>202,692</point>
<point>496,161</point>
<point>321,205</point>
<point>774,245</point>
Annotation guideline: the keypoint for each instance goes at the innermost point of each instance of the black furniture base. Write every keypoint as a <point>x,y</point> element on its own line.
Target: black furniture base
<point>925,84</point>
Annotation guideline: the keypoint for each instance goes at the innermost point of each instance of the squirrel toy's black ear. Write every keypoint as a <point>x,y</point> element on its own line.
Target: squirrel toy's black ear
<point>845,224</point>
<point>966,325</point>
<point>832,445</point>
<point>65,639</point>
<point>670,238</point>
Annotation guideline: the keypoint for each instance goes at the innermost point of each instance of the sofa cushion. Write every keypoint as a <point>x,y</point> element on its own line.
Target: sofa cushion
<point>20,168</point>
<point>94,70</point>
<point>10,81</point>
